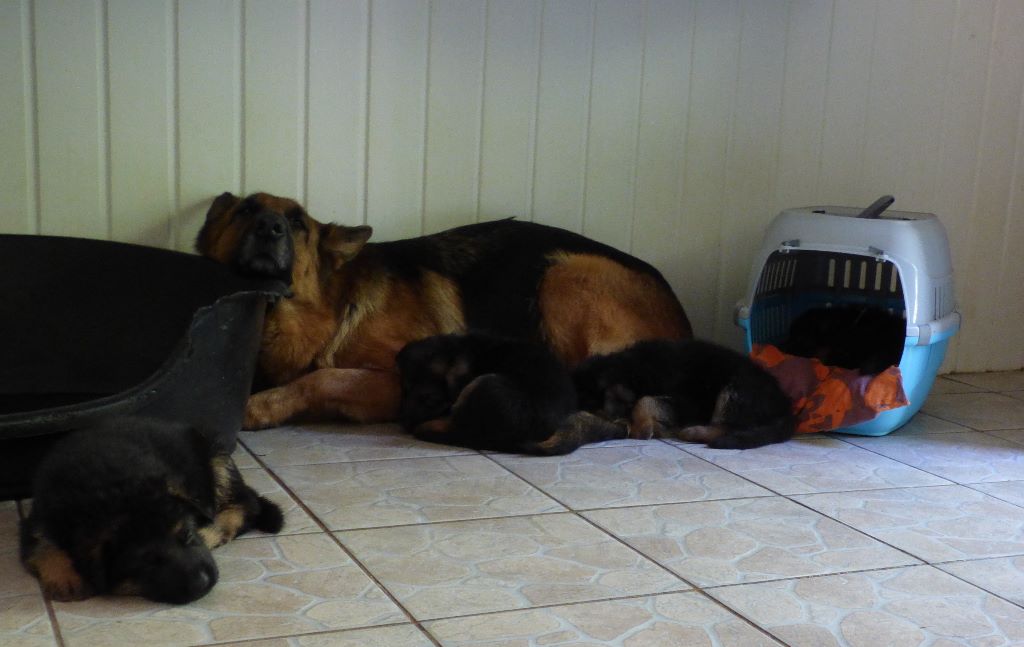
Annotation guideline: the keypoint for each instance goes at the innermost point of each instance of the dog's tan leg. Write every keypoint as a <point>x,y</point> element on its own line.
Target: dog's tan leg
<point>437,426</point>
<point>224,528</point>
<point>56,572</point>
<point>651,417</point>
<point>360,395</point>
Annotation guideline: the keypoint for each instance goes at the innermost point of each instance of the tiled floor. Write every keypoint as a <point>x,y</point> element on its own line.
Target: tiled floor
<point>916,538</point>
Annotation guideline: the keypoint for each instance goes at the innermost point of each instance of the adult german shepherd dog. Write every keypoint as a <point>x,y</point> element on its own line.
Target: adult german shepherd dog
<point>329,350</point>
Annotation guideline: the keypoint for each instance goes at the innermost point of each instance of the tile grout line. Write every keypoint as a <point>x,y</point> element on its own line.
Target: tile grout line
<point>334,538</point>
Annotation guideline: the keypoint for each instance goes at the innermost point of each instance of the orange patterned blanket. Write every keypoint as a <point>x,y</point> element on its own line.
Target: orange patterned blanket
<point>830,397</point>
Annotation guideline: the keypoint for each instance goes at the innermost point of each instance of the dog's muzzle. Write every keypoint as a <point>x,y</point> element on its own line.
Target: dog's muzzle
<point>266,248</point>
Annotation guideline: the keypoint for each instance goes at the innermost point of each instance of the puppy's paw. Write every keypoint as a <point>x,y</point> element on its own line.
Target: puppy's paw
<point>261,412</point>
<point>650,418</point>
<point>269,517</point>
<point>58,577</point>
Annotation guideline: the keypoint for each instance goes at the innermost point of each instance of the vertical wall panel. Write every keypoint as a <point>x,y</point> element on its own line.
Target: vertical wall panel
<point>336,147</point>
<point>209,103</point>
<point>963,103</point>
<point>17,137</point>
<point>398,70</point>
<point>509,108</point>
<point>72,120</point>
<point>657,230</point>
<point>752,154</point>
<point>563,111</point>
<point>846,102</point>
<point>614,122</point>
<point>451,181</point>
<point>142,183</point>
<point>993,291</point>
<point>803,103</point>
<point>911,50</point>
<point>275,97</point>
<point>712,94</point>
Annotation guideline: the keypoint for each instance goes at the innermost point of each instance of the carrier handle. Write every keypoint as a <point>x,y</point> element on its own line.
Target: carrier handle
<point>876,208</point>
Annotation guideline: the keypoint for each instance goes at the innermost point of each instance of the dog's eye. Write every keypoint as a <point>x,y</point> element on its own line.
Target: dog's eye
<point>295,220</point>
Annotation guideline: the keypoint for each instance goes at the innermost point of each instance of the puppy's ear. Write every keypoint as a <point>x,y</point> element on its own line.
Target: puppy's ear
<point>221,205</point>
<point>343,243</point>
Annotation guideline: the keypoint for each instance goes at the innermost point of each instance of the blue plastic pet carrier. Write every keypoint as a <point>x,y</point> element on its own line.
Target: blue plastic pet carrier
<point>828,256</point>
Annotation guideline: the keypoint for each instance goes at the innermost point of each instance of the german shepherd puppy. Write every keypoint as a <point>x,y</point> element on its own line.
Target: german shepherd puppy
<point>329,350</point>
<point>133,507</point>
<point>866,339</point>
<point>495,393</point>
<point>688,390</point>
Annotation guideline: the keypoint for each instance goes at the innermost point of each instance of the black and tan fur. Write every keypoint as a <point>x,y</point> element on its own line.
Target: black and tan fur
<point>495,393</point>
<point>133,506</point>
<point>690,390</point>
<point>329,350</point>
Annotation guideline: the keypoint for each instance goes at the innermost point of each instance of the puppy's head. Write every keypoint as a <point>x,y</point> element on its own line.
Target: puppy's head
<point>603,389</point>
<point>268,236</point>
<point>154,549</point>
<point>434,371</point>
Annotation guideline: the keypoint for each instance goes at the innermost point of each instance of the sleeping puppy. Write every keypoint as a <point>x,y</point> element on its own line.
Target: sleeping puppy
<point>689,390</point>
<point>863,338</point>
<point>133,506</point>
<point>495,393</point>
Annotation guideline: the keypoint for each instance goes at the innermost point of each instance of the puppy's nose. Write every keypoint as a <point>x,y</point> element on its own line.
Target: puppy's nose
<point>270,225</point>
<point>203,581</point>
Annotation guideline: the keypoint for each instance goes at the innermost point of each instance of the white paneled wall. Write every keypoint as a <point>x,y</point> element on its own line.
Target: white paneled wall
<point>671,128</point>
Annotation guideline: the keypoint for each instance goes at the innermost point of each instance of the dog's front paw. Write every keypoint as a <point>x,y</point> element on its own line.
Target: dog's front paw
<point>261,412</point>
<point>59,579</point>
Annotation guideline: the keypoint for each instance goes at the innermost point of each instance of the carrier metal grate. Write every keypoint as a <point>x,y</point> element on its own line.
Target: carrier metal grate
<point>796,280</point>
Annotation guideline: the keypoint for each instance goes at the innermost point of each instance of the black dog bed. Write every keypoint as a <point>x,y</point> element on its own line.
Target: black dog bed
<point>91,329</point>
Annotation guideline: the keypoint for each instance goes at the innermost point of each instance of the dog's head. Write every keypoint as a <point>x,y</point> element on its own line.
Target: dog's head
<point>602,387</point>
<point>154,548</point>
<point>434,371</point>
<point>267,236</point>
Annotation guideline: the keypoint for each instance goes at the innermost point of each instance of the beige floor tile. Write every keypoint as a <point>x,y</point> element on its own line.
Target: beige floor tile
<point>678,619</point>
<point>393,636</point>
<point>819,464</point>
<point>468,567</point>
<point>981,411</point>
<point>14,580</point>
<point>933,523</point>
<point>1003,576</point>
<point>369,494</point>
<point>921,423</point>
<point>994,381</point>
<point>296,520</point>
<point>273,586</point>
<point>332,443</point>
<point>628,475</point>
<point>918,605</point>
<point>951,384</point>
<point>243,459</point>
<point>971,457</point>
<point>1015,435</point>
<point>1012,491</point>
<point>714,543</point>
<point>24,622</point>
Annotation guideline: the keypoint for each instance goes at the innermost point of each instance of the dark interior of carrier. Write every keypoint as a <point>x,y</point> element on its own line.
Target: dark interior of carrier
<point>91,329</point>
<point>795,281</point>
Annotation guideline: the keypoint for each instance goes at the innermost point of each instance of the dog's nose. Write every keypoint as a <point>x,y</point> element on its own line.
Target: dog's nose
<point>270,225</point>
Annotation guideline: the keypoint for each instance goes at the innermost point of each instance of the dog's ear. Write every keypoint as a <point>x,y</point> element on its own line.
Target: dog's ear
<point>343,243</point>
<point>221,205</point>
